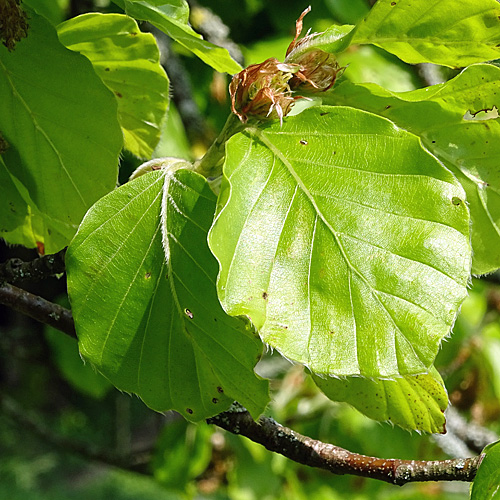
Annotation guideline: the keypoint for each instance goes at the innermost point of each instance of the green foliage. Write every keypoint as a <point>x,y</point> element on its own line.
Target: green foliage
<point>344,237</point>
<point>468,147</point>
<point>340,296</point>
<point>161,332</point>
<point>412,401</point>
<point>128,62</point>
<point>487,483</point>
<point>434,31</point>
<point>64,145</point>
<point>172,18</point>
<point>80,375</point>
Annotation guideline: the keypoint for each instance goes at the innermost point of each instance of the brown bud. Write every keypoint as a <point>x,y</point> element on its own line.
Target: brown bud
<point>262,90</point>
<point>318,69</point>
<point>268,90</point>
<point>13,23</point>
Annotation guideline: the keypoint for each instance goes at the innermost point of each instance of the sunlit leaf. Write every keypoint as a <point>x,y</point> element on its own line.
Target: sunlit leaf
<point>414,402</point>
<point>60,122</point>
<point>128,61</point>
<point>470,148</point>
<point>344,241</point>
<point>172,19</point>
<point>436,31</point>
<point>153,327</point>
<point>486,485</point>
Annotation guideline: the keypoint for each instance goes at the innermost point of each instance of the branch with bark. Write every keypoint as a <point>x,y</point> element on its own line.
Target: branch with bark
<point>237,420</point>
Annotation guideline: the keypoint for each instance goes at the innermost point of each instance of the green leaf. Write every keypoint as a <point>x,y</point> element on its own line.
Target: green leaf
<point>153,327</point>
<point>486,485</point>
<point>128,61</point>
<point>414,402</point>
<point>436,31</point>
<point>182,453</point>
<point>467,147</point>
<point>334,40</point>
<point>172,19</point>
<point>13,209</point>
<point>60,122</point>
<point>344,241</point>
<point>173,139</point>
<point>371,64</point>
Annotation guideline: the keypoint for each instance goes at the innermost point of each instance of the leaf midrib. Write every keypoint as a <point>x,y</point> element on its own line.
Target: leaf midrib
<point>262,136</point>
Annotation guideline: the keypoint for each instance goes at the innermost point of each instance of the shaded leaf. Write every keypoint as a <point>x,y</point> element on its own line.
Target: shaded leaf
<point>172,19</point>
<point>434,31</point>
<point>414,402</point>
<point>470,148</point>
<point>13,209</point>
<point>60,122</point>
<point>344,241</point>
<point>128,62</point>
<point>153,327</point>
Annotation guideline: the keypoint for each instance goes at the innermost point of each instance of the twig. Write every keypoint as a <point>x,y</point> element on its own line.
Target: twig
<point>16,270</point>
<point>38,308</point>
<point>135,462</point>
<point>307,451</point>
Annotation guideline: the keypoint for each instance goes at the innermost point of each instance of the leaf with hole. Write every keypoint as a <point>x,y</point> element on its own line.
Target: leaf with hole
<point>153,326</point>
<point>344,241</point>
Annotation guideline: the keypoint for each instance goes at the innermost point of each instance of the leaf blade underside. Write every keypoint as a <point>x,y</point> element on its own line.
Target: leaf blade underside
<point>344,242</point>
<point>160,332</point>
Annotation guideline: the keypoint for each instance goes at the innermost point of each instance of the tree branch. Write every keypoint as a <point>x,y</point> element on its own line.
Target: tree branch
<point>38,308</point>
<point>307,451</point>
<point>16,270</point>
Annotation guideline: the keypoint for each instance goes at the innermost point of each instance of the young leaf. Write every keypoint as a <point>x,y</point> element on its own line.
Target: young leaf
<point>172,19</point>
<point>435,31</point>
<point>414,402</point>
<point>128,62</point>
<point>334,40</point>
<point>486,485</point>
<point>344,241</point>
<point>468,147</point>
<point>60,123</point>
<point>153,327</point>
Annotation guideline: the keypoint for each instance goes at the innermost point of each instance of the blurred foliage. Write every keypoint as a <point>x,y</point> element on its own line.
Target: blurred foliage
<point>46,376</point>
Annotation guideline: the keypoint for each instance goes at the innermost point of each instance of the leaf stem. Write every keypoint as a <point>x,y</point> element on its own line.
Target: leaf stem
<point>211,164</point>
